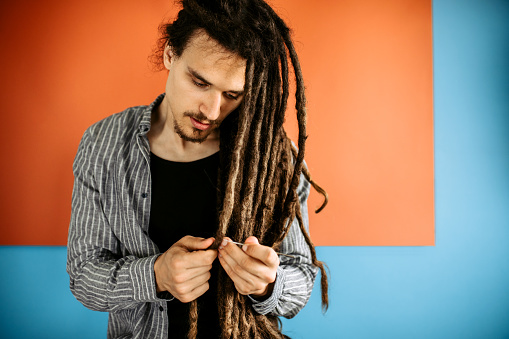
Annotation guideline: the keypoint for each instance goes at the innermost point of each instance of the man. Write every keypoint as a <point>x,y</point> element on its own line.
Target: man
<point>163,191</point>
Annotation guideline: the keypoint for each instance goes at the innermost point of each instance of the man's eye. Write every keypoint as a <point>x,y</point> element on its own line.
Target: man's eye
<point>231,96</point>
<point>200,84</point>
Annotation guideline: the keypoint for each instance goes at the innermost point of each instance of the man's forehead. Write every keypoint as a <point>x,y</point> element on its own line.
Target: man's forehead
<point>201,41</point>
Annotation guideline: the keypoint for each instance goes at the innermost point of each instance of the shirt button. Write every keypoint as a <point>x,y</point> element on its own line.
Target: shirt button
<point>144,195</point>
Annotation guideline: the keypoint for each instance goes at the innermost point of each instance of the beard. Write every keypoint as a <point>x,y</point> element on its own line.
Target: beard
<point>197,136</point>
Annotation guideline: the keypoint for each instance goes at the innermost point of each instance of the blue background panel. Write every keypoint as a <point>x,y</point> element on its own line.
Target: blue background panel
<point>457,289</point>
<point>35,298</point>
<point>375,292</point>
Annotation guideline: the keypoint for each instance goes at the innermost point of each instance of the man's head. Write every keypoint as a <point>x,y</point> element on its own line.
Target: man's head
<point>205,84</point>
<point>243,35</point>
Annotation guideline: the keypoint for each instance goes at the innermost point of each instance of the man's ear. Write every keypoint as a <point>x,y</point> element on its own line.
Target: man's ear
<point>167,57</point>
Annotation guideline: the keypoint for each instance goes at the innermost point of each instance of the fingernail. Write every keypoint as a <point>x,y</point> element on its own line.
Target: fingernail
<point>244,247</point>
<point>224,243</point>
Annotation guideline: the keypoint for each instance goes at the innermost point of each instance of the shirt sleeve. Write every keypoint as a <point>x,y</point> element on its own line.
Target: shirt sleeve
<point>101,278</point>
<point>295,276</point>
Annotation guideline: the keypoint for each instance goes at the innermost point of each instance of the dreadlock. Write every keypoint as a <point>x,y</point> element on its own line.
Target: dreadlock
<point>260,168</point>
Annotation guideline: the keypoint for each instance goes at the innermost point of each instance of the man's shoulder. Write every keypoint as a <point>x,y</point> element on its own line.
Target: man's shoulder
<point>115,132</point>
<point>122,122</point>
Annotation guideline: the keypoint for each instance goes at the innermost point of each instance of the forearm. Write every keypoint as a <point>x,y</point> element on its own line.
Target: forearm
<point>102,282</point>
<point>296,276</point>
<point>294,282</point>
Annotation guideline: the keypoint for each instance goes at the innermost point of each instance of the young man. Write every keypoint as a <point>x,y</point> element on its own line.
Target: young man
<point>163,191</point>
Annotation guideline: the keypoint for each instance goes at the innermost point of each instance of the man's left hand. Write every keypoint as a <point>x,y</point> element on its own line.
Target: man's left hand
<point>252,268</point>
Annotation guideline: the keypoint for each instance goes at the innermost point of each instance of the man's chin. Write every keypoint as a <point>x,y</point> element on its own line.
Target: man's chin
<point>196,138</point>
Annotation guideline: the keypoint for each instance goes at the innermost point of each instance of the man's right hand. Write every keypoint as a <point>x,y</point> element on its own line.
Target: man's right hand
<point>184,269</point>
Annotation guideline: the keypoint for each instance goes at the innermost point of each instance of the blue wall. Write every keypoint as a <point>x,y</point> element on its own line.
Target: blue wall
<point>457,289</point>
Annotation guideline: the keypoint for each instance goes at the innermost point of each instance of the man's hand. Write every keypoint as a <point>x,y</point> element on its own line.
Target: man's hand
<point>183,270</point>
<point>253,268</point>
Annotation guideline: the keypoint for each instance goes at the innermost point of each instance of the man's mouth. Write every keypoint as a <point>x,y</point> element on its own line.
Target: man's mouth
<point>199,125</point>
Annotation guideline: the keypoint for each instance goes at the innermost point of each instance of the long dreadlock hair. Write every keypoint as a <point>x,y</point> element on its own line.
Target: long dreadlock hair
<point>259,167</point>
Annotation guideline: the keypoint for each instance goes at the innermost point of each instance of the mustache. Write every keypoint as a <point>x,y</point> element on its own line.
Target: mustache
<point>201,118</point>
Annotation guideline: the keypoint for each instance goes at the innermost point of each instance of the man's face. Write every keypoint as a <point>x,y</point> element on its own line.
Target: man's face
<point>205,84</point>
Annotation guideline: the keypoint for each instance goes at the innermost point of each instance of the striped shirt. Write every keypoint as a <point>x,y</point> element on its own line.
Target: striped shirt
<point>110,256</point>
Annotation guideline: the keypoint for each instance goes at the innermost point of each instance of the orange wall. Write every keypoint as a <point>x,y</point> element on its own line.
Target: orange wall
<point>368,71</point>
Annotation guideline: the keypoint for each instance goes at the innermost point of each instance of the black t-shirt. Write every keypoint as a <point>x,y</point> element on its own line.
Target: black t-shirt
<point>184,198</point>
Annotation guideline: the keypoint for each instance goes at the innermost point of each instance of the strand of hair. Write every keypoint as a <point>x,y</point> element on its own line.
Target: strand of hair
<point>317,187</point>
<point>235,159</point>
<point>252,168</point>
<point>324,284</point>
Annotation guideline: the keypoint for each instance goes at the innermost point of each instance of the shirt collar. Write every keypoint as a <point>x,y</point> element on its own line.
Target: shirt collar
<point>146,115</point>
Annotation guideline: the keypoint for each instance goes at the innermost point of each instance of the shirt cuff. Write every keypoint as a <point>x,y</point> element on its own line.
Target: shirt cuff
<point>144,281</point>
<point>266,306</point>
<point>165,295</point>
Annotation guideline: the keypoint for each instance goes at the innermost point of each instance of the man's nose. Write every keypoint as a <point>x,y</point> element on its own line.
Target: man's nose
<point>212,106</point>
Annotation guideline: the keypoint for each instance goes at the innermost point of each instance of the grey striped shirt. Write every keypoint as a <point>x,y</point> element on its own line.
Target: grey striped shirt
<point>110,257</point>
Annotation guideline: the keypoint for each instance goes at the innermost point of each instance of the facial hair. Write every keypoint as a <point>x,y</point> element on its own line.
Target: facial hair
<point>198,136</point>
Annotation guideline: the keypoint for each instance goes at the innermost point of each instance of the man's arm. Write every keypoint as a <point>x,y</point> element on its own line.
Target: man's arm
<point>100,276</point>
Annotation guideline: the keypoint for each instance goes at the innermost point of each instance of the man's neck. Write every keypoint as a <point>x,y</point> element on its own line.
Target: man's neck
<point>167,144</point>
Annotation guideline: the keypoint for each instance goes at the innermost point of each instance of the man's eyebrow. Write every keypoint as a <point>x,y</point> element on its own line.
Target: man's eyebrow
<point>197,75</point>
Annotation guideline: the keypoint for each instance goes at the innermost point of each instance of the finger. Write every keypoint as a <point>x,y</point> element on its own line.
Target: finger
<point>251,240</point>
<point>241,261</point>
<point>244,286</point>
<point>201,258</point>
<point>194,294</point>
<point>235,259</point>
<point>264,254</point>
<point>245,283</point>
<point>195,243</point>
<point>187,286</point>
<point>189,274</point>
<point>246,267</point>
<point>182,261</point>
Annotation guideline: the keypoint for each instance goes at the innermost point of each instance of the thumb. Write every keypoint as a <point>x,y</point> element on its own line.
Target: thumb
<point>250,240</point>
<point>194,243</point>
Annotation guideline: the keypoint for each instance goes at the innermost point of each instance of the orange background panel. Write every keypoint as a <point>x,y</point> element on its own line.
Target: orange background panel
<point>368,71</point>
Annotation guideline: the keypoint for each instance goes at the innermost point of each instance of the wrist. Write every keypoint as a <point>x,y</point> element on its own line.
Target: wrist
<point>265,294</point>
<point>157,267</point>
